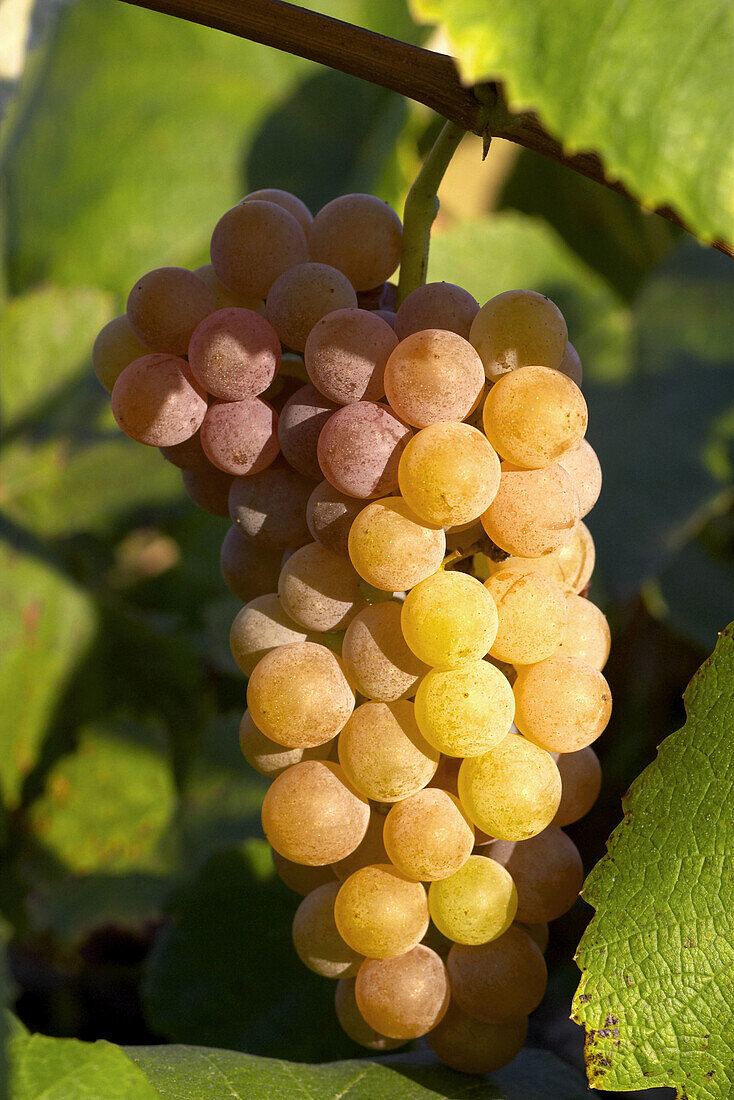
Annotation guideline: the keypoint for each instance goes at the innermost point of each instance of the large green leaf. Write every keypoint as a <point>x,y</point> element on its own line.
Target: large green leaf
<point>42,1068</point>
<point>657,959</point>
<point>653,95</point>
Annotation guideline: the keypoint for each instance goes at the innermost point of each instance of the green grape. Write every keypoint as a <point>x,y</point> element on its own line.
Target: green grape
<point>561,704</point>
<point>499,981</point>
<point>298,877</point>
<point>299,696</point>
<point>403,997</point>
<point>547,871</point>
<point>381,913</point>
<point>316,938</point>
<point>115,347</point>
<point>391,549</point>
<point>532,614</point>
<point>433,376</point>
<point>301,296</point>
<point>259,627</point>
<point>534,416</point>
<point>534,512</point>
<point>371,850</point>
<point>383,752</point>
<point>269,758</point>
<point>311,814</point>
<point>584,468</point>
<point>361,236</point>
<point>449,619</point>
<point>353,1022</point>
<point>428,836</point>
<point>581,778</point>
<point>318,589</point>
<point>436,305</point>
<point>376,656</point>
<point>464,711</point>
<point>449,474</point>
<point>476,904</point>
<point>472,1046</point>
<point>511,792</point>
<point>516,329</point>
<point>587,636</point>
<point>571,566</point>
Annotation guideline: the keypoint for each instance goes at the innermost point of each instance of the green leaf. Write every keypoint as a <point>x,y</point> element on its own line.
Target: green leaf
<point>657,959</point>
<point>42,1068</point>
<point>654,96</point>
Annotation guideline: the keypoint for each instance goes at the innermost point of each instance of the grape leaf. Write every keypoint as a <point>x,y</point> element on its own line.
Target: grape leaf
<point>67,1069</point>
<point>654,96</point>
<point>657,959</point>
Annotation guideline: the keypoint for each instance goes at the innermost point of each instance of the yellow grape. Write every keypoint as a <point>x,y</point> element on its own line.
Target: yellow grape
<point>534,512</point>
<point>403,997</point>
<point>259,627</point>
<point>353,1022</point>
<point>584,469</point>
<point>449,474</point>
<point>587,636</point>
<point>299,696</point>
<point>301,296</point>
<point>360,235</point>
<point>571,566</point>
<point>547,871</point>
<point>570,365</point>
<point>516,329</point>
<point>534,416</point>
<point>391,548</point>
<point>428,836</point>
<point>561,704</point>
<point>532,615</point>
<point>381,913</point>
<point>316,937</point>
<point>298,877</point>
<point>464,711</point>
<point>498,981</point>
<point>115,347</point>
<point>319,590</point>
<point>433,376</point>
<point>311,814</point>
<point>383,752</point>
<point>436,305</point>
<point>511,792</point>
<point>581,779</point>
<point>269,758</point>
<point>476,904</point>
<point>471,1046</point>
<point>449,619</point>
<point>376,655</point>
<point>370,850</point>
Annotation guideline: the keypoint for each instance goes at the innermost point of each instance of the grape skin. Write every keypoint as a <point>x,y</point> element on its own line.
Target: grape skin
<point>224,298</point>
<point>534,512</point>
<point>511,792</point>
<point>381,913</point>
<point>471,1046</point>
<point>316,937</point>
<point>247,569</point>
<point>319,590</point>
<point>534,416</point>
<point>376,656</point>
<point>209,489</point>
<point>433,376</point>
<point>268,758</point>
<point>584,469</point>
<point>449,474</point>
<point>499,981</point>
<point>571,566</point>
<point>449,619</point>
<point>345,355</point>
<point>547,871</point>
<point>561,704</point>
<point>240,437</point>
<point>428,836</point>
<point>253,243</point>
<point>188,455</point>
<point>532,616</point>
<point>436,305</point>
<point>329,515</point>
<point>391,549</point>
<point>259,627</point>
<point>361,236</point>
<point>464,711</point>
<point>403,997</point>
<point>476,904</point>
<point>383,752</point>
<point>570,365</point>
<point>354,1024</point>
<point>156,401</point>
<point>270,508</point>
<point>165,306</point>
<point>234,354</point>
<point>115,347</point>
<point>519,328</point>
<point>587,636</point>
<point>301,296</point>
<point>359,449</point>
<point>581,778</point>
<point>301,420</point>
<point>289,202</point>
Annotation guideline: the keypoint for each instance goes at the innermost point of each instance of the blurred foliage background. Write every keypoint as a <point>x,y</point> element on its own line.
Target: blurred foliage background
<point>136,895</point>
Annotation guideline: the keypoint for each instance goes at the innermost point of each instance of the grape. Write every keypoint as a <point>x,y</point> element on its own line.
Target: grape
<point>532,616</point>
<point>476,904</point>
<point>391,549</point>
<point>387,316</point>
<point>403,997</point>
<point>156,401</point>
<point>449,474</point>
<point>511,792</point>
<point>270,508</point>
<point>587,636</point>
<point>354,1024</point>
<point>464,711</point>
<point>289,202</point>
<point>268,758</point>
<point>115,347</point>
<point>538,933</point>
<point>534,512</point>
<point>471,1046</point>
<point>298,877</point>
<point>571,566</point>
<point>316,938</point>
<point>188,455</point>
<point>436,305</point>
<point>428,835</point>
<point>209,489</point>
<point>584,469</point>
<point>570,365</point>
<point>303,416</point>
<point>259,627</point>
<point>301,296</point>
<point>516,329</point>
<point>581,778</point>
<point>312,815</point>
<point>225,299</point>
<point>318,589</point>
<point>329,515</point>
<point>165,306</point>
<point>383,753</point>
<point>346,353</point>
<point>376,656</point>
<point>449,619</point>
<point>371,850</point>
<point>247,568</point>
<point>561,704</point>
<point>498,981</point>
<point>240,437</point>
<point>361,236</point>
<point>234,354</point>
<point>547,871</point>
<point>252,244</point>
<point>381,913</point>
<point>433,376</point>
<point>533,416</point>
<point>359,449</point>
<point>299,696</point>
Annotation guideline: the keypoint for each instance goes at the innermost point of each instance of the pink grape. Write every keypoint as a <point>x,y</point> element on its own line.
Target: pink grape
<point>165,306</point>
<point>359,449</point>
<point>301,421</point>
<point>234,354</point>
<point>241,437</point>
<point>156,401</point>
<point>346,353</point>
<point>253,243</point>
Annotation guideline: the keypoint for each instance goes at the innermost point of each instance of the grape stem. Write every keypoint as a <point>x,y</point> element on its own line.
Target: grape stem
<point>453,558</point>
<point>421,207</point>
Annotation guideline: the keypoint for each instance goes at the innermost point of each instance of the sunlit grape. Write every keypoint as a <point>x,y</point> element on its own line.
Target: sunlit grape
<point>234,354</point>
<point>436,305</point>
<point>259,627</point>
<point>381,913</point>
<point>390,547</point>
<point>383,752</point>
<point>516,329</point>
<point>353,1022</point>
<point>403,997</point>
<point>587,636</point>
<point>561,704</point>
<point>476,904</point>
<point>240,437</point>
<point>449,474</point>
<point>359,449</point>
<point>346,353</point>
<point>497,981</point>
<point>318,589</point>
<point>428,835</point>
<point>156,401</point>
<point>534,511</point>
<point>433,376</point>
<point>165,306</point>
<point>571,566</point>
<point>115,347</point>
<point>585,471</point>
<point>532,615</point>
<point>547,871</point>
<point>360,235</point>
<point>448,619</point>
<point>253,243</point>
<point>534,416</point>
<point>301,296</point>
<point>464,711</point>
<point>316,937</point>
<point>511,792</point>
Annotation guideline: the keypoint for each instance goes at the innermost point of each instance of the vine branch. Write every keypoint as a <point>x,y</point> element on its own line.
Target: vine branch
<point>422,75</point>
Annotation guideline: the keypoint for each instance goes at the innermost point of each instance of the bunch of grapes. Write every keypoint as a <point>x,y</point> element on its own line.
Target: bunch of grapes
<point>407,490</point>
